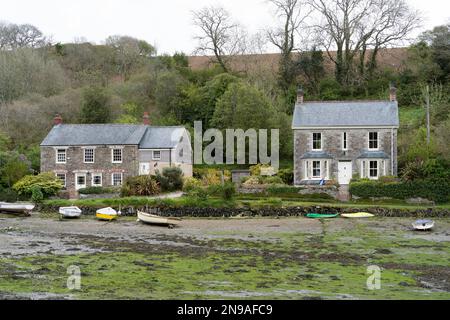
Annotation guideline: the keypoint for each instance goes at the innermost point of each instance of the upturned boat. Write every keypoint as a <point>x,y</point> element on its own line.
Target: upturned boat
<point>423,225</point>
<point>357,215</point>
<point>156,220</point>
<point>70,212</point>
<point>107,214</point>
<point>322,215</point>
<point>21,208</point>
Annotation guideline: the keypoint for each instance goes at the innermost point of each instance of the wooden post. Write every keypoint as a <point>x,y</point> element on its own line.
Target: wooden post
<point>428,115</point>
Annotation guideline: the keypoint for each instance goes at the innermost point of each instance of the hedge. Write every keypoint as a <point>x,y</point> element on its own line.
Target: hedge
<point>437,190</point>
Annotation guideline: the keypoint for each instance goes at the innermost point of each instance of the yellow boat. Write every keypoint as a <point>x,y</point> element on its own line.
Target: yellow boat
<point>107,214</point>
<point>357,215</point>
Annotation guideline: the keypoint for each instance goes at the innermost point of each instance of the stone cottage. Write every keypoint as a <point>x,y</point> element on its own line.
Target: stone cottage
<point>102,155</point>
<point>339,140</point>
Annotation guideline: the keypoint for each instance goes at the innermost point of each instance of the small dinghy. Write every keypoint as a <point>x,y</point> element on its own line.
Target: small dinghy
<point>357,215</point>
<point>156,220</point>
<point>70,212</point>
<point>423,225</point>
<point>107,214</point>
<point>322,215</point>
<point>20,208</point>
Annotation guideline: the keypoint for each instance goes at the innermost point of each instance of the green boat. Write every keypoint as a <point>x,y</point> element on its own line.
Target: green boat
<point>321,215</point>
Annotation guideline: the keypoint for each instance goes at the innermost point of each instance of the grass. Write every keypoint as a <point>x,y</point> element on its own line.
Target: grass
<point>290,265</point>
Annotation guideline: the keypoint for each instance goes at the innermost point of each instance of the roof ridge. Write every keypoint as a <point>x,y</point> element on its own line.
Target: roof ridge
<point>344,101</point>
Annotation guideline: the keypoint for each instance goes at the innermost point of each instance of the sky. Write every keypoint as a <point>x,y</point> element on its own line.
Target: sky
<point>164,23</point>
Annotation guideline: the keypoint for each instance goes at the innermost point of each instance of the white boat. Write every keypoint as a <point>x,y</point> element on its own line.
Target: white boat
<point>16,207</point>
<point>423,225</point>
<point>156,220</point>
<point>70,212</point>
<point>107,214</point>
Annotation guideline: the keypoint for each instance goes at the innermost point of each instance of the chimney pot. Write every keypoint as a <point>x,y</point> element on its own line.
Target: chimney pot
<point>300,95</point>
<point>57,120</point>
<point>393,93</point>
<point>146,119</point>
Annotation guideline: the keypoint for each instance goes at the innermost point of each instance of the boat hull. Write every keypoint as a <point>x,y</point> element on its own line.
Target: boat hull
<point>423,225</point>
<point>16,208</point>
<point>321,216</point>
<point>155,220</point>
<point>357,215</point>
<point>105,217</point>
<point>70,212</point>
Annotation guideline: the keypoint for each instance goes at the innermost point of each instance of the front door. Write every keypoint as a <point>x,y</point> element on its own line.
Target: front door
<point>80,181</point>
<point>144,168</point>
<point>345,172</point>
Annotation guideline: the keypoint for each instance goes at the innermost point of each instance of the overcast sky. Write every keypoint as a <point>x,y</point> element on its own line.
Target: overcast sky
<point>164,23</point>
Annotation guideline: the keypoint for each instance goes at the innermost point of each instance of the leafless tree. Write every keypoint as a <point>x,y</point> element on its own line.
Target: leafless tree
<point>292,15</point>
<point>351,27</point>
<point>13,36</point>
<point>219,35</point>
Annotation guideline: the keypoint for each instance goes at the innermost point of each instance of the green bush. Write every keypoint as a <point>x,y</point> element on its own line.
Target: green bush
<point>228,190</point>
<point>287,175</point>
<point>278,189</point>
<point>36,195</point>
<point>140,186</point>
<point>198,192</point>
<point>272,180</point>
<point>9,195</point>
<point>98,190</point>
<point>49,184</point>
<point>190,184</point>
<point>437,190</point>
<point>171,179</point>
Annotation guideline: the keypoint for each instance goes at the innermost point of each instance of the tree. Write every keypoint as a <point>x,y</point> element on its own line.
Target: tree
<point>13,36</point>
<point>353,26</point>
<point>438,40</point>
<point>311,66</point>
<point>219,35</point>
<point>129,53</point>
<point>292,14</point>
<point>95,106</point>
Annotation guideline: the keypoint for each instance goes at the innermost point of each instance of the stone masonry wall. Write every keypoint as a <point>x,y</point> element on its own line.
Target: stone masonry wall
<point>357,142</point>
<point>103,164</point>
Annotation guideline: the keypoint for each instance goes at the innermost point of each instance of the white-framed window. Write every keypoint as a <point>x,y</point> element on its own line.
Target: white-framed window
<point>61,155</point>
<point>62,177</point>
<point>344,141</point>
<point>116,155</point>
<point>89,155</point>
<point>97,180</point>
<point>316,172</point>
<point>317,141</point>
<point>373,169</point>
<point>373,140</point>
<point>116,179</point>
<point>156,155</point>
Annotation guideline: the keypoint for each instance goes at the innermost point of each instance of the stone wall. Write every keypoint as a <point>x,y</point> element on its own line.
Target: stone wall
<point>357,142</point>
<point>103,164</point>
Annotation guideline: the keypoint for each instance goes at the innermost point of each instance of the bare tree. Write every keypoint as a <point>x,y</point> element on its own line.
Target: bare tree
<point>351,27</point>
<point>292,15</point>
<point>219,35</point>
<point>13,36</point>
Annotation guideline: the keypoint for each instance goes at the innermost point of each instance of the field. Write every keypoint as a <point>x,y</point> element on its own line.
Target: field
<point>292,258</point>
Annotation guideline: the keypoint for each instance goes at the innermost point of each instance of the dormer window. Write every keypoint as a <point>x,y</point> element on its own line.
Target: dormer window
<point>61,155</point>
<point>373,140</point>
<point>317,141</point>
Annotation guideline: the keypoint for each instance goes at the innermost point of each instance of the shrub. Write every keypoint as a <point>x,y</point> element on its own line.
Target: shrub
<point>199,193</point>
<point>171,179</point>
<point>36,195</point>
<point>190,184</point>
<point>98,190</point>
<point>252,181</point>
<point>49,184</point>
<point>228,190</point>
<point>9,195</point>
<point>256,169</point>
<point>272,180</point>
<point>279,189</point>
<point>140,186</point>
<point>287,175</point>
<point>437,190</point>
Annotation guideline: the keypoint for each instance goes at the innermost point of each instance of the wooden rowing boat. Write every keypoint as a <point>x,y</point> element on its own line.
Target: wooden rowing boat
<point>322,215</point>
<point>357,215</point>
<point>23,208</point>
<point>423,225</point>
<point>107,214</point>
<point>70,212</point>
<point>156,220</point>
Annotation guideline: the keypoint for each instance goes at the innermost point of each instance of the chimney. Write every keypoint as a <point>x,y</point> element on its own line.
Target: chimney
<point>392,93</point>
<point>57,120</point>
<point>300,94</point>
<point>146,119</point>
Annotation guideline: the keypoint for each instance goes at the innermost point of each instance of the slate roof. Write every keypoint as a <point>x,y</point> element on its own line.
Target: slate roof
<point>346,114</point>
<point>146,137</point>
<point>373,155</point>
<point>317,155</point>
